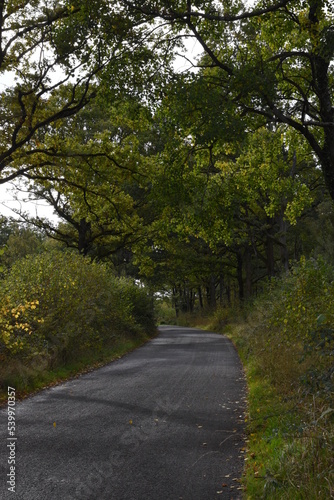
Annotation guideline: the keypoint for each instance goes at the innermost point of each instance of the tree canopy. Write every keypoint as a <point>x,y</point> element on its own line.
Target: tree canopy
<point>272,62</point>
<point>224,162</point>
<point>57,52</point>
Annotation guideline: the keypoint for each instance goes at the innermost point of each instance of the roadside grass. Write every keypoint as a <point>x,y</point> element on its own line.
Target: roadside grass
<point>37,375</point>
<point>290,427</point>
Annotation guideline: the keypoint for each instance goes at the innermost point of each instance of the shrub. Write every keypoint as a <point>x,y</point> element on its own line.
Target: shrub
<point>286,344</point>
<point>57,304</point>
<point>302,316</point>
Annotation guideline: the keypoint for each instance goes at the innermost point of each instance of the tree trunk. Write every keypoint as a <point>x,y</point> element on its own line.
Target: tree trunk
<point>200,297</point>
<point>211,292</point>
<point>248,270</point>
<point>84,233</point>
<point>321,63</point>
<point>270,256</point>
<point>176,302</point>
<point>240,277</point>
<point>283,244</point>
<point>228,293</point>
<point>221,288</point>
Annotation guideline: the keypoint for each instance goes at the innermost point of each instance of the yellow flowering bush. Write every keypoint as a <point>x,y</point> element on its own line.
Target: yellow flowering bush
<point>18,322</point>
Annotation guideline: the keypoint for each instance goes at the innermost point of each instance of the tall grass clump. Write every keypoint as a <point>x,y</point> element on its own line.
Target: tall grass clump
<point>58,307</point>
<point>287,346</point>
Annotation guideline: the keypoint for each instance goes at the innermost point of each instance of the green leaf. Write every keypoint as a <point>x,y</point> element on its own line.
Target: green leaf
<point>321,319</point>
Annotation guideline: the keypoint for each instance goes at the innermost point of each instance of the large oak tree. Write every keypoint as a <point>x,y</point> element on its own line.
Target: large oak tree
<point>273,61</point>
<point>57,52</point>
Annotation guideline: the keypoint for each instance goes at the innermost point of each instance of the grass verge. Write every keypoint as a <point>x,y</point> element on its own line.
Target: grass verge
<point>289,423</point>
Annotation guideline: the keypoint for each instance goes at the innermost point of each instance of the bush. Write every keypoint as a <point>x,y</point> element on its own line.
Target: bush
<point>57,304</point>
<point>286,344</point>
<point>302,316</point>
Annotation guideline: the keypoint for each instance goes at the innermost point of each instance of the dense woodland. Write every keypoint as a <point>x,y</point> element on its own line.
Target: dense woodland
<point>196,181</point>
<point>200,181</point>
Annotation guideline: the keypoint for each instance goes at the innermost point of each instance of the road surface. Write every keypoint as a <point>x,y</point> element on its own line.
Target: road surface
<point>165,422</point>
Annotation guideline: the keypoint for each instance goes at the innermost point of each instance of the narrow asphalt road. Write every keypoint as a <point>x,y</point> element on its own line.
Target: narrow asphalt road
<point>164,422</point>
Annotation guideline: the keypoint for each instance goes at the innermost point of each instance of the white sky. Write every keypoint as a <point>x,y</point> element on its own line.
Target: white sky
<point>8,190</point>
<point>8,203</point>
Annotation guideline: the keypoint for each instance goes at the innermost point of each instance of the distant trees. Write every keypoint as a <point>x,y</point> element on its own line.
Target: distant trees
<point>17,242</point>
